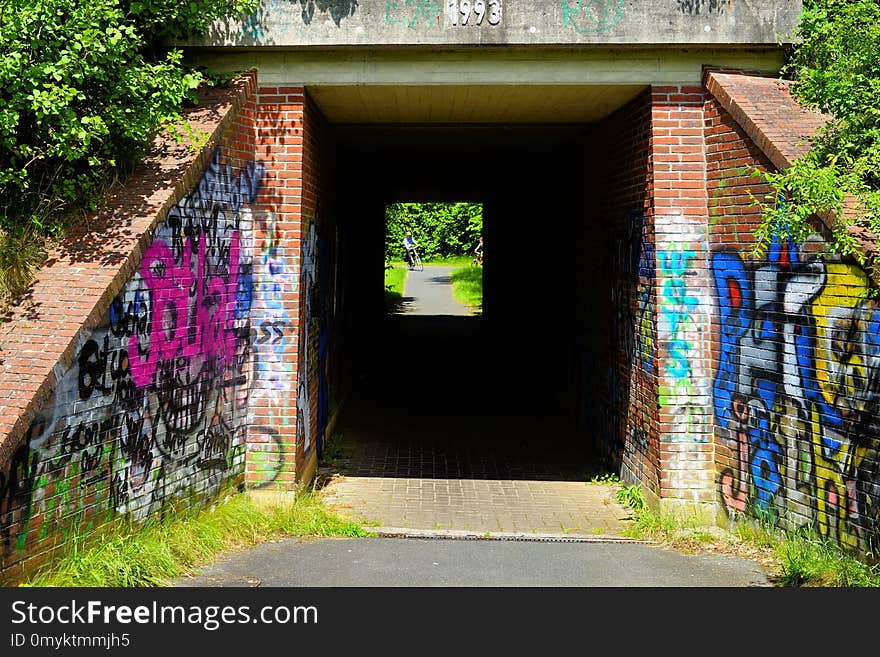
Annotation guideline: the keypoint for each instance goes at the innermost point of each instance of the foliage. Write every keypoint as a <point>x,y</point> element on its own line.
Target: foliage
<point>127,554</point>
<point>631,496</point>
<point>440,229</point>
<point>835,69</point>
<point>84,87</point>
<point>810,560</point>
<point>606,478</point>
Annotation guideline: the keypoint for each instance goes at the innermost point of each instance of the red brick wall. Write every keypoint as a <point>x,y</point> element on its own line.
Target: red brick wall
<point>150,406</point>
<point>318,273</point>
<point>682,289</point>
<point>624,329</point>
<point>295,282</point>
<point>278,219</point>
<point>795,362</point>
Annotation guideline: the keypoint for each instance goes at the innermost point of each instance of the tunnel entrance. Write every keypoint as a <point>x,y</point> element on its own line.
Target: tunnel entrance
<point>503,396</point>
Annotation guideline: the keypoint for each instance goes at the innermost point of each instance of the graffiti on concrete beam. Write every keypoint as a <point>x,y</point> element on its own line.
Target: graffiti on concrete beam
<point>591,16</point>
<point>413,13</point>
<point>703,7</point>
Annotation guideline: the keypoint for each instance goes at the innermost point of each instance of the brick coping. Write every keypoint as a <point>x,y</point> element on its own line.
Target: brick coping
<point>74,288</point>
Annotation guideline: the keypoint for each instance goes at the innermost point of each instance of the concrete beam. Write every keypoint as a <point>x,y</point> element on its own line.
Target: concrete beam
<point>486,66</point>
<point>295,23</point>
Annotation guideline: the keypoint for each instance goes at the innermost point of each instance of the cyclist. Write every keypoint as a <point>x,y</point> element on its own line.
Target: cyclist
<point>479,251</point>
<point>408,245</point>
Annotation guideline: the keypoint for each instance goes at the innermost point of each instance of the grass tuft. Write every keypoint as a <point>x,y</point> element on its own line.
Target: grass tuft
<point>796,558</point>
<point>467,286</point>
<point>395,278</point>
<point>20,257</point>
<point>151,554</point>
<point>811,560</point>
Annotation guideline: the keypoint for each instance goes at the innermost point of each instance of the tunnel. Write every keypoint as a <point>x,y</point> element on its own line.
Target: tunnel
<point>534,383</point>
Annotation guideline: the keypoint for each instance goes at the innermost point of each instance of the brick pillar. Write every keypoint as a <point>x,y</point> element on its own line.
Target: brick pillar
<point>278,220</point>
<point>683,298</point>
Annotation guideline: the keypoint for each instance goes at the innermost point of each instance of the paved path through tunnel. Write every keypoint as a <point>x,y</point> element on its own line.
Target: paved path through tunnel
<point>425,445</point>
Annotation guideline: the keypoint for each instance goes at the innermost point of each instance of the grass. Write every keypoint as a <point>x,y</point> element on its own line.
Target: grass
<point>395,278</point>
<point>451,261</point>
<point>20,257</point>
<point>467,286</point>
<point>801,559</point>
<point>153,553</point>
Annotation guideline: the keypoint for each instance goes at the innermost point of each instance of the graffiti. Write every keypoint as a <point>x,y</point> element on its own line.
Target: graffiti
<point>679,331</point>
<point>271,320</point>
<point>337,9</point>
<point>308,336</point>
<point>676,308</point>
<point>412,12</point>
<point>797,392</point>
<point>252,26</point>
<point>153,404</point>
<point>266,453</point>
<point>591,16</point>
<point>644,330</point>
<point>702,7</point>
<point>632,332</point>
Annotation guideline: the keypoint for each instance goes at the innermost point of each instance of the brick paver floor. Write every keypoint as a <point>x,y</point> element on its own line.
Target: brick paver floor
<point>469,486</point>
<point>450,451</point>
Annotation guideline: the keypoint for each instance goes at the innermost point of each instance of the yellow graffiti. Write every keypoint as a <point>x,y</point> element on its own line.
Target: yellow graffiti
<point>646,332</point>
<point>839,367</point>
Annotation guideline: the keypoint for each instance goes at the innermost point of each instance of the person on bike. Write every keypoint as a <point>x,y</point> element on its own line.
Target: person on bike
<point>408,245</point>
<point>479,251</point>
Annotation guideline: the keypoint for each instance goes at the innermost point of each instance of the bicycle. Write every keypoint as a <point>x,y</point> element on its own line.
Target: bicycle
<point>415,260</point>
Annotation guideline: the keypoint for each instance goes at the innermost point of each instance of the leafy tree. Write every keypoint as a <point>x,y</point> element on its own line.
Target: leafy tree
<point>835,67</point>
<point>440,229</point>
<point>84,87</point>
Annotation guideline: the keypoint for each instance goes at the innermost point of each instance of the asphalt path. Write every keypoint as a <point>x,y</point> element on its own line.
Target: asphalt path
<point>407,562</point>
<point>429,292</point>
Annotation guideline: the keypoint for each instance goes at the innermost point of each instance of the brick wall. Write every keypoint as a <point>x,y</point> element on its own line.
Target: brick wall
<point>142,322</point>
<point>272,433</point>
<point>295,283</point>
<point>683,300</point>
<point>795,346</point>
<point>624,337</point>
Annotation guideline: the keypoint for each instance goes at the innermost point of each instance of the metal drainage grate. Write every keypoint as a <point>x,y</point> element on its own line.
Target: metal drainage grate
<point>536,538</point>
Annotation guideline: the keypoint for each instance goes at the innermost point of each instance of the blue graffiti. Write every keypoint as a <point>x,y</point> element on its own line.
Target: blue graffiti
<point>764,467</point>
<point>244,292</point>
<point>735,305</point>
<point>677,307</point>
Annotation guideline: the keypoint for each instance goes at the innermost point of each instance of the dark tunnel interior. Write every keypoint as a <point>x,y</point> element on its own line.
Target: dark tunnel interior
<point>515,377</point>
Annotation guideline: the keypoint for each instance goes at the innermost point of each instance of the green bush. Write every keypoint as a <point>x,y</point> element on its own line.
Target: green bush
<point>84,87</point>
<point>440,229</point>
<point>835,67</point>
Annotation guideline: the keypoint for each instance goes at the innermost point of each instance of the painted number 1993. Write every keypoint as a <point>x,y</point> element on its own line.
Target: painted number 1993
<point>473,12</point>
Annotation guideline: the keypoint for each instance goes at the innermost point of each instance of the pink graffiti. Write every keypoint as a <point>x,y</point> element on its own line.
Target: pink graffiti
<point>734,489</point>
<point>182,326</point>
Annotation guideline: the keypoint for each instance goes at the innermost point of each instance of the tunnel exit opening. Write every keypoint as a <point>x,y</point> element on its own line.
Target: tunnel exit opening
<point>433,259</point>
